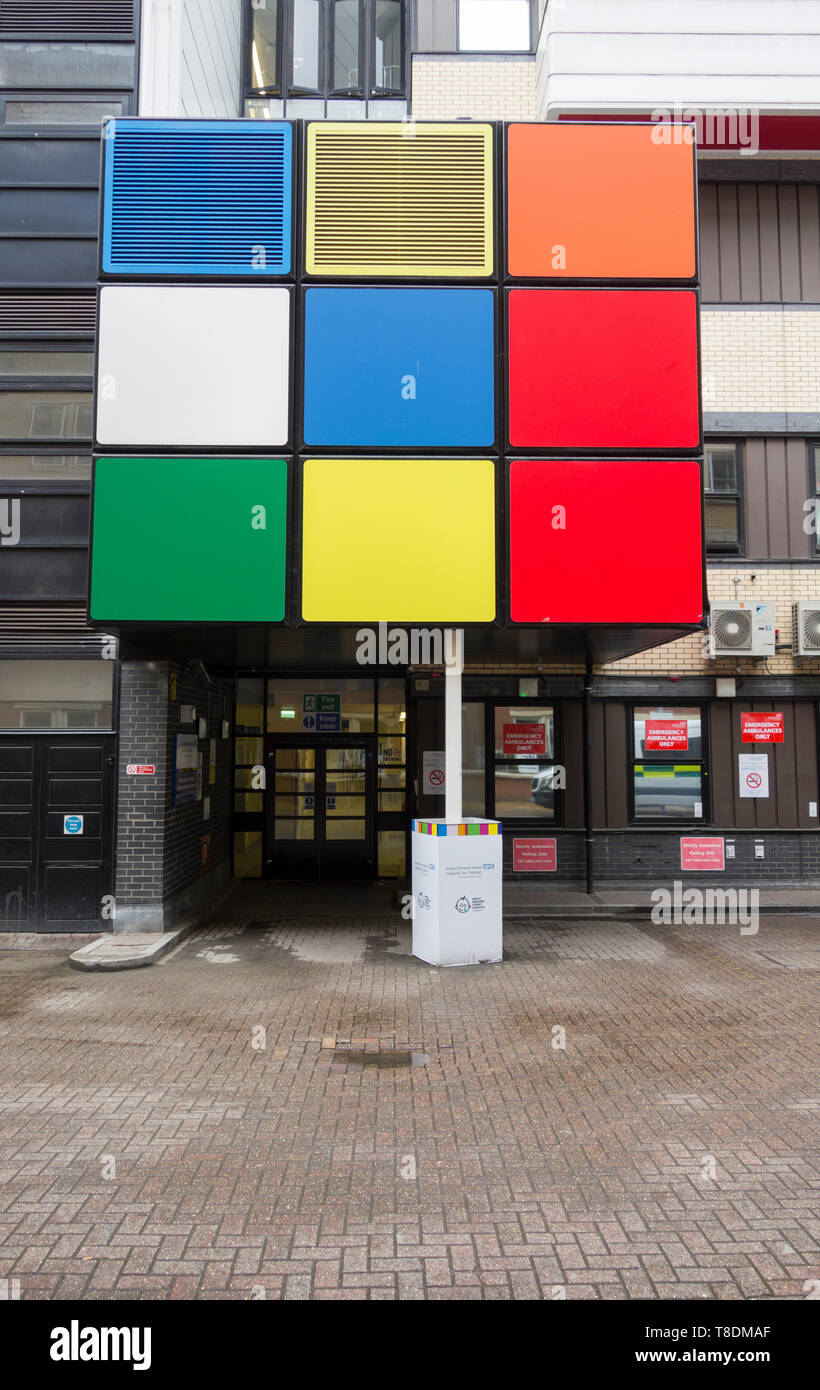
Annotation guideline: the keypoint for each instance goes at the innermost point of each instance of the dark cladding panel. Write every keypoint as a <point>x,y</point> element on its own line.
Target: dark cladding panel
<point>573,757</point>
<point>775,487</point>
<point>618,764</point>
<point>722,758</point>
<point>436,26</point>
<point>760,243</point>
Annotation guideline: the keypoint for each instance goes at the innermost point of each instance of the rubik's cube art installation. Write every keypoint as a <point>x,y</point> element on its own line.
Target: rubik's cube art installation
<point>422,373</point>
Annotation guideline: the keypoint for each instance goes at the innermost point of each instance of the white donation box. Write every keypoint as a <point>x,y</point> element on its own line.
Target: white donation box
<point>457,891</point>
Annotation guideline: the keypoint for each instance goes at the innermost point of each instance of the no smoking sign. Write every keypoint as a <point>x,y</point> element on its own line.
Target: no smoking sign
<point>433,779</point>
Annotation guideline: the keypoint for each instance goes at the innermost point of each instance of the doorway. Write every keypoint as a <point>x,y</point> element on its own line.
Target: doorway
<point>56,829</point>
<point>319,821</point>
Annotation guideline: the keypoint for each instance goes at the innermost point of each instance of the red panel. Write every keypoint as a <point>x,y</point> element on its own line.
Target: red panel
<point>531,856</point>
<point>718,132</point>
<point>605,541</point>
<point>603,369</point>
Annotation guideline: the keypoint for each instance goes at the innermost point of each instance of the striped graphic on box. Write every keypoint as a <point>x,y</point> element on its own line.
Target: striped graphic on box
<point>431,827</point>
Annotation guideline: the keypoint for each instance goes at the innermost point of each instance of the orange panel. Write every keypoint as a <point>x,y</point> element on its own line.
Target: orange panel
<point>600,201</point>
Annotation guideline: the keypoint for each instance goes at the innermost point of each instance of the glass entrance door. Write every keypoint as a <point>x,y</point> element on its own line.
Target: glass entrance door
<point>320,810</point>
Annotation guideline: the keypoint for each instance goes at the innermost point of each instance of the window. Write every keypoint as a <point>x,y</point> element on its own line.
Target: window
<point>72,111</point>
<point>30,361</point>
<point>525,781</point>
<point>265,47</point>
<point>510,768</point>
<point>346,75</point>
<point>305,69</point>
<point>473,763</point>
<point>668,763</point>
<point>48,466</point>
<point>721,482</point>
<point>56,694</point>
<point>320,704</point>
<point>494,26</point>
<point>814,471</point>
<point>388,47</point>
<point>372,710</point>
<point>301,50</point>
<point>392,774</point>
<point>45,394</point>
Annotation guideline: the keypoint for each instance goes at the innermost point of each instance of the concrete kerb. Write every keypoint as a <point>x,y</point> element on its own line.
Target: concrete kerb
<point>128,951</point>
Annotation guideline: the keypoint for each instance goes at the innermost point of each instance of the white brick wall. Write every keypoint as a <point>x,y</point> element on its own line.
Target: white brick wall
<point>483,89</point>
<point>782,587</point>
<point>760,359</point>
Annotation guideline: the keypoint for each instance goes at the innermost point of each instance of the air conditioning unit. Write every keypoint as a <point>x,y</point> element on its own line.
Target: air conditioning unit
<point>742,629</point>
<point>806,628</point>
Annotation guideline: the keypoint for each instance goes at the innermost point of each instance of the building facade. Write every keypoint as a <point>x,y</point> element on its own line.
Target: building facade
<point>634,767</point>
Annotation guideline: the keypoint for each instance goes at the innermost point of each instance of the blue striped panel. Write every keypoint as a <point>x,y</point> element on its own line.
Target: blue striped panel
<point>197,198</point>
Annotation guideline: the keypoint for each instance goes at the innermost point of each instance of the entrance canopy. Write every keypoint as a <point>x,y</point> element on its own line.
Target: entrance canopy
<point>227,648</point>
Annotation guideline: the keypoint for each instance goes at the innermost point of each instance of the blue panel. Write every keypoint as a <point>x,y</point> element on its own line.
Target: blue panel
<point>197,198</point>
<point>413,368</point>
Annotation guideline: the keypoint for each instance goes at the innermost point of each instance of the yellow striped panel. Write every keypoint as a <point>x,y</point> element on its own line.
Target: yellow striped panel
<point>398,540</point>
<point>395,199</point>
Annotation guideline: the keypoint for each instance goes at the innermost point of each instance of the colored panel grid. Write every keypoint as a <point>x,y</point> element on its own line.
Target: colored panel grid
<point>396,539</point>
<point>401,200</point>
<point>605,541</point>
<point>601,202</point>
<point>194,366</point>
<point>439,828</point>
<point>197,198</point>
<point>408,367</point>
<point>603,369</point>
<point>181,540</point>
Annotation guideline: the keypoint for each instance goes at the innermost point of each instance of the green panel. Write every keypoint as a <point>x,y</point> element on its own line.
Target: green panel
<point>174,540</point>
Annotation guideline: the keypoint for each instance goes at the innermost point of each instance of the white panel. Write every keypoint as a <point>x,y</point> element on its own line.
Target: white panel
<point>193,366</point>
<point>211,38</point>
<point>685,16</point>
<point>190,58</point>
<point>638,92</point>
<point>730,54</point>
<point>632,55</point>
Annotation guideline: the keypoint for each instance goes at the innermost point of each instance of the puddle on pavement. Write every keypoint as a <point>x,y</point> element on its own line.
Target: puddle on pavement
<point>384,1060</point>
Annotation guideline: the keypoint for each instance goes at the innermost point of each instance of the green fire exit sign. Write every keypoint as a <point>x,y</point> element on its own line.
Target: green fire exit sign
<point>189,540</point>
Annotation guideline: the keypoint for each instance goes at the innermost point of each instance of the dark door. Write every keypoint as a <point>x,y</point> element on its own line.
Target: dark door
<point>56,830</point>
<point>320,821</point>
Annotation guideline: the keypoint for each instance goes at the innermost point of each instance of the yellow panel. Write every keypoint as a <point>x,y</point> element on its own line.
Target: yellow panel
<point>399,199</point>
<point>398,540</point>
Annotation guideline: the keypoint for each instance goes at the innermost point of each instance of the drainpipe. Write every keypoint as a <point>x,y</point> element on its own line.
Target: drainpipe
<point>588,844</point>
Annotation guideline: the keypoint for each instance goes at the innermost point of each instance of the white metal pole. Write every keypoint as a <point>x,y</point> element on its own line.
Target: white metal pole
<point>453,668</point>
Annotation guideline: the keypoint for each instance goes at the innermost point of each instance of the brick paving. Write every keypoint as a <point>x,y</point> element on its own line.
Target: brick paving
<point>151,1148</point>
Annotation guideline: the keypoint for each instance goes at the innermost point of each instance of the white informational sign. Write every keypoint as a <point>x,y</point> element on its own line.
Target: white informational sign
<point>753,770</point>
<point>457,892</point>
<point>72,825</point>
<point>432,781</point>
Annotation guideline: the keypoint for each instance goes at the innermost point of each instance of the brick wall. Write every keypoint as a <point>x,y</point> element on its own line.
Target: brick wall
<point>484,89</point>
<point>651,859</point>
<point>781,586</point>
<point>159,845</point>
<point>140,829</point>
<point>760,359</point>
